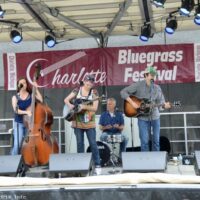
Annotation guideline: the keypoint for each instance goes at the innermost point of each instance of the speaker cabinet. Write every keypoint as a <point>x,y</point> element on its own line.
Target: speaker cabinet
<point>155,161</point>
<point>71,164</point>
<point>10,165</point>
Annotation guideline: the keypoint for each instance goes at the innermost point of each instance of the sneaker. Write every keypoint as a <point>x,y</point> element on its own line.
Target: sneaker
<point>97,170</point>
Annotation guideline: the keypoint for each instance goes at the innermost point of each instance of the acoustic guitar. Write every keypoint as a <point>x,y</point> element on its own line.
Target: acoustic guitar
<point>145,107</point>
<point>69,114</point>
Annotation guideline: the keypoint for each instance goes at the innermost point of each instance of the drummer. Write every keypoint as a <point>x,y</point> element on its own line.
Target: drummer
<point>111,123</point>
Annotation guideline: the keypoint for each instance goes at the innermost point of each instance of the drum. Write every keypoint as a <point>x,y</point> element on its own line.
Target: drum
<point>114,138</point>
<point>104,152</point>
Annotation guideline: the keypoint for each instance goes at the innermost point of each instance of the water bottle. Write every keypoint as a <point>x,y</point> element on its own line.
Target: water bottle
<point>180,159</point>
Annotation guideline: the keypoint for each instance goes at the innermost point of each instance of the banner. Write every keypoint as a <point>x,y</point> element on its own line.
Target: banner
<point>110,66</point>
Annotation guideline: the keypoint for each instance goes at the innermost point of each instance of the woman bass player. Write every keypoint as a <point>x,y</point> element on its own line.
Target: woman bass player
<point>84,120</point>
<point>20,102</point>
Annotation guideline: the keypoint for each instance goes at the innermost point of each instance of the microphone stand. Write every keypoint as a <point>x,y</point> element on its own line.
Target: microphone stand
<point>17,108</point>
<point>18,149</point>
<point>132,132</point>
<point>150,117</point>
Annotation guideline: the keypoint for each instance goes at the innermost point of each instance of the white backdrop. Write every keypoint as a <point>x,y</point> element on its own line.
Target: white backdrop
<point>133,134</point>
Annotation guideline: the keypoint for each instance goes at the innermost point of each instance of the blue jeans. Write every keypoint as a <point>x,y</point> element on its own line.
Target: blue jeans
<point>123,144</point>
<point>91,135</point>
<point>19,130</point>
<point>145,133</point>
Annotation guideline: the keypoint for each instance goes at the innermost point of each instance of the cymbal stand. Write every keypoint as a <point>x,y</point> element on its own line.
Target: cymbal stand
<point>113,158</point>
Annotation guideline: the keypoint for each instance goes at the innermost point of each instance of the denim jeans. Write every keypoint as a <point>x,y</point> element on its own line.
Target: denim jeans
<point>91,135</point>
<point>145,133</point>
<point>123,144</point>
<point>19,130</point>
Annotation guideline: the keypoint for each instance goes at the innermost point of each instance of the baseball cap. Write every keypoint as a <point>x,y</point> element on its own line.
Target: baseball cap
<point>89,77</point>
<point>151,70</point>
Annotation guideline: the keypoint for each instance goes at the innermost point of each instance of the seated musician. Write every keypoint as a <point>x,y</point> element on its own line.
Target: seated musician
<point>111,122</point>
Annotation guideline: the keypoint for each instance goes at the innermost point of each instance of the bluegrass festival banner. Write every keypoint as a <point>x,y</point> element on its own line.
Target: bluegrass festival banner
<point>179,63</point>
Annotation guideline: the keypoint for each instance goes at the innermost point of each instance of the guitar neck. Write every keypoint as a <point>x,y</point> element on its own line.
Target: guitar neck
<point>157,105</point>
<point>90,101</point>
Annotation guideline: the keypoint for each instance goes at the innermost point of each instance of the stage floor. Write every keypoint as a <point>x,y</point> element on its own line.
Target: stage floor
<point>172,168</point>
<point>177,182</point>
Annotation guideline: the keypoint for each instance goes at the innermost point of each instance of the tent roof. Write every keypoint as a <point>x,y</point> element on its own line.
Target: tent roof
<point>71,19</point>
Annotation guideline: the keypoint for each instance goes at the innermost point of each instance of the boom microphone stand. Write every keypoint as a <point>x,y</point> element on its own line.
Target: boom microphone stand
<point>132,133</point>
<point>18,149</point>
<point>17,108</point>
<point>150,117</point>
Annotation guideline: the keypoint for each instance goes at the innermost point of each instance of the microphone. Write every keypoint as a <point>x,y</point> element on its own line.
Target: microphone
<point>152,81</point>
<point>20,86</point>
<point>104,99</point>
<point>151,85</point>
<point>46,97</point>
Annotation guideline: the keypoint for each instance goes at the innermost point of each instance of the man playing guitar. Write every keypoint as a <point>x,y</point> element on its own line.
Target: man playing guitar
<point>147,89</point>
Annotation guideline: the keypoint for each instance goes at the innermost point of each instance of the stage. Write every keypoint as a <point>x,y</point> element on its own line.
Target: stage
<point>177,182</point>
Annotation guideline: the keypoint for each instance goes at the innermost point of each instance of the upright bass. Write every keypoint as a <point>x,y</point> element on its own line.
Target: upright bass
<point>38,143</point>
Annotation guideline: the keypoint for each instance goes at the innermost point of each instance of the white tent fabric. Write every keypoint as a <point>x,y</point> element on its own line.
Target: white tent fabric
<point>120,179</point>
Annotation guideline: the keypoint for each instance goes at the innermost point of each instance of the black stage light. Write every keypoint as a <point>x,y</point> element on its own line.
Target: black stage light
<point>145,32</point>
<point>186,7</point>
<point>197,15</point>
<point>159,3</point>
<point>2,12</point>
<point>171,26</point>
<point>16,36</point>
<point>50,41</point>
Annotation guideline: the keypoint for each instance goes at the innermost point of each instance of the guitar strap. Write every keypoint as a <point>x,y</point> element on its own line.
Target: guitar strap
<point>86,98</point>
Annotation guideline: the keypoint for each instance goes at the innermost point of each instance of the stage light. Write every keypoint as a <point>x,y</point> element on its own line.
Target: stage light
<point>171,25</point>
<point>2,12</point>
<point>145,32</point>
<point>197,15</point>
<point>159,3</point>
<point>186,7</point>
<point>50,41</point>
<point>15,36</point>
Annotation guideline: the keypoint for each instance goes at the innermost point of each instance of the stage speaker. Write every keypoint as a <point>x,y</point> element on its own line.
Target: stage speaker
<point>10,165</point>
<point>197,162</point>
<point>70,164</point>
<point>154,161</point>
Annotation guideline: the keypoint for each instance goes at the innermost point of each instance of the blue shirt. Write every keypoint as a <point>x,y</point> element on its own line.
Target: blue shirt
<point>22,105</point>
<point>107,119</point>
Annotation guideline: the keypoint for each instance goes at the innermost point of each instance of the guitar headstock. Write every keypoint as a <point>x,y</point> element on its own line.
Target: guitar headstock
<point>103,99</point>
<point>176,104</point>
<point>37,72</point>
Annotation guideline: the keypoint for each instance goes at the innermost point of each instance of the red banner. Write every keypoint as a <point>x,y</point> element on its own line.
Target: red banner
<point>111,66</point>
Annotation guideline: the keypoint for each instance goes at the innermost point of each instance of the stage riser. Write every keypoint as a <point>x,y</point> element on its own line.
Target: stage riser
<point>119,193</point>
<point>10,165</point>
<point>71,164</point>
<point>144,161</point>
